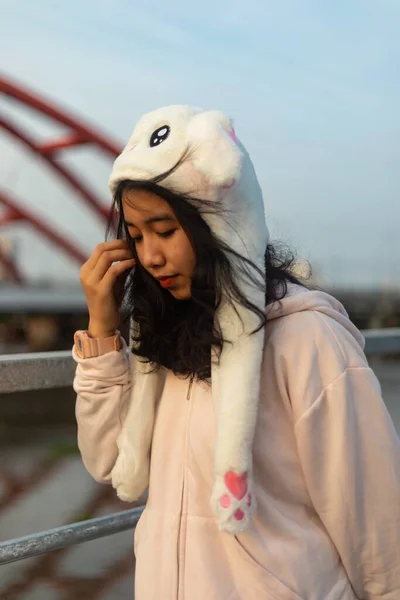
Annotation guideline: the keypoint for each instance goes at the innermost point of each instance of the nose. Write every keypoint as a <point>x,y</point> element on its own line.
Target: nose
<point>150,254</point>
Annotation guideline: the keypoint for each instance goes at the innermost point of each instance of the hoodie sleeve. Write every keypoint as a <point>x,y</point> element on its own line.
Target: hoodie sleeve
<point>103,387</point>
<point>350,456</point>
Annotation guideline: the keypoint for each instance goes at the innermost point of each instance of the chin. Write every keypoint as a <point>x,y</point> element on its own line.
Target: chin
<point>181,293</point>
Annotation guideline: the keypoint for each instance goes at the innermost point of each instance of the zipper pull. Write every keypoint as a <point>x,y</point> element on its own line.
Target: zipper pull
<point>190,388</point>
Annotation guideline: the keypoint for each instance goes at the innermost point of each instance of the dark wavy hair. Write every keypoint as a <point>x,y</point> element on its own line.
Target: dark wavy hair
<point>180,334</point>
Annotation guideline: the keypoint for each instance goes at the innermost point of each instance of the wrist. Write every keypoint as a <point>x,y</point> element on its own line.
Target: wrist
<point>99,331</point>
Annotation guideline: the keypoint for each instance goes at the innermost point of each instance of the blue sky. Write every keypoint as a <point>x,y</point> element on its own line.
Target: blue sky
<point>313,87</point>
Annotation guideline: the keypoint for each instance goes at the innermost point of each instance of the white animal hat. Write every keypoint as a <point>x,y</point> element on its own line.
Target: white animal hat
<point>212,164</point>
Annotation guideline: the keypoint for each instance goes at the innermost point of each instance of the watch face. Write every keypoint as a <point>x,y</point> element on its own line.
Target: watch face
<point>79,343</point>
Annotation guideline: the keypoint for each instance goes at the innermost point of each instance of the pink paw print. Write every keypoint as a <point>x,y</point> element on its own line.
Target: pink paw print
<point>238,487</point>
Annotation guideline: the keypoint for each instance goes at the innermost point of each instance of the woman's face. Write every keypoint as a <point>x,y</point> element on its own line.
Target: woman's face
<point>162,246</point>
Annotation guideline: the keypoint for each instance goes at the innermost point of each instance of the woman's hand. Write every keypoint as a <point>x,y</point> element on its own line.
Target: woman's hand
<point>99,278</point>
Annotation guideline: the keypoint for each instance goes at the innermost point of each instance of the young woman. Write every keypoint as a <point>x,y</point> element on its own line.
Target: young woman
<point>246,406</point>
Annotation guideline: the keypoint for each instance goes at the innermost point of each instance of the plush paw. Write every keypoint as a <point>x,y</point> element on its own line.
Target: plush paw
<point>233,502</point>
<point>130,483</point>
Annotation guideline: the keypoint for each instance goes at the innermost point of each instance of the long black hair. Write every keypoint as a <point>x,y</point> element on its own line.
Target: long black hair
<point>179,334</point>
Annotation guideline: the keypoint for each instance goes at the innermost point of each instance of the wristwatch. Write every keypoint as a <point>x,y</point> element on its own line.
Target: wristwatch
<point>87,347</point>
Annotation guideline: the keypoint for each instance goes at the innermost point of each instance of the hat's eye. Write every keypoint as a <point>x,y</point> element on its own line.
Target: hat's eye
<point>159,135</point>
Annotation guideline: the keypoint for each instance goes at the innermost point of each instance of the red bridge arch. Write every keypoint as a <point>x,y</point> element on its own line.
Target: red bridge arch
<point>79,133</point>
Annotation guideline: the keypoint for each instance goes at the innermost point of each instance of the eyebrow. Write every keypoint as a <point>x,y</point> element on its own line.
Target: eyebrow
<point>155,219</point>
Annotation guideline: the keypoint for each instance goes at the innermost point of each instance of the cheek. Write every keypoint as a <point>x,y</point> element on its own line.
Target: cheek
<point>138,256</point>
<point>184,255</point>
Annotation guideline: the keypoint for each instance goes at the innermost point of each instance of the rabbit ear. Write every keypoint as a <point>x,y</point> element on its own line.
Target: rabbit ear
<point>216,153</point>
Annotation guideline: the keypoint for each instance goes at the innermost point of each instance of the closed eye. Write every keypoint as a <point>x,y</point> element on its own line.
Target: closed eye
<point>167,234</point>
<point>162,234</point>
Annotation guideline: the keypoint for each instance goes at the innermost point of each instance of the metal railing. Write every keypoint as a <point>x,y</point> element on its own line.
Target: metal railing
<point>68,535</point>
<point>23,372</point>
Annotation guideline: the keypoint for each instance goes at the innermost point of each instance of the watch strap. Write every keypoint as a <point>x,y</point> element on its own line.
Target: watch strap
<point>88,347</point>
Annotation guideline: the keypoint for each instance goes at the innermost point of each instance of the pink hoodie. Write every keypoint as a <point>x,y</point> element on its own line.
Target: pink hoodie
<point>326,468</point>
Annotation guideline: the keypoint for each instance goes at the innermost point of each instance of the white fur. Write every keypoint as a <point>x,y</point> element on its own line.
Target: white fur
<point>209,135</point>
<point>217,168</point>
<point>140,161</point>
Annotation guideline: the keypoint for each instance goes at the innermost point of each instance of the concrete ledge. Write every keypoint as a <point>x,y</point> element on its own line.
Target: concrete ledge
<point>36,371</point>
<point>382,341</point>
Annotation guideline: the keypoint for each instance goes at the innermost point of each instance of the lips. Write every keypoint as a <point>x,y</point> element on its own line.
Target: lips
<point>166,281</point>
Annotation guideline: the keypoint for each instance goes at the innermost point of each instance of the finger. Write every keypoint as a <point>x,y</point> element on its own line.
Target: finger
<point>115,271</point>
<point>106,260</point>
<point>100,249</point>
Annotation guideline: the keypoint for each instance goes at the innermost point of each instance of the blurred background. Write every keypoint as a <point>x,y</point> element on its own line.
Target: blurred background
<point>314,90</point>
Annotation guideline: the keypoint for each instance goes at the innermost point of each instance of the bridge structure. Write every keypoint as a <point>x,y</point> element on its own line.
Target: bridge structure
<point>50,151</point>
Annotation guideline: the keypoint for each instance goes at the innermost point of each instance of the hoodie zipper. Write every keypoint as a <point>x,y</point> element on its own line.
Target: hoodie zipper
<point>183,518</point>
